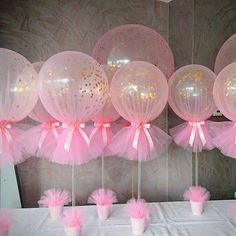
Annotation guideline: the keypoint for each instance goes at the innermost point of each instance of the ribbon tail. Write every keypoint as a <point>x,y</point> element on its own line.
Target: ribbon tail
<point>1,143</point>
<point>136,138</point>
<point>192,136</point>
<point>94,131</point>
<point>104,136</point>
<point>42,138</point>
<point>68,139</point>
<point>84,135</point>
<point>55,133</point>
<point>201,134</point>
<point>149,138</point>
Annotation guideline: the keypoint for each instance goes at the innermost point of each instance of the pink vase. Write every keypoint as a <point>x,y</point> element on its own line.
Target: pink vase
<point>197,207</point>
<point>138,225</point>
<point>55,211</point>
<point>72,231</point>
<point>4,232</point>
<point>104,211</point>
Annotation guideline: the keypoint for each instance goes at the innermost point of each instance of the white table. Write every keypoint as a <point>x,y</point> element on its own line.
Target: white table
<point>170,218</point>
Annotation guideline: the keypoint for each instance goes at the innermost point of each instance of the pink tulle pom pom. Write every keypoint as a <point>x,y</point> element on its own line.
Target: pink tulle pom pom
<point>196,194</point>
<point>73,218</point>
<point>6,220</point>
<point>195,136</point>
<point>225,140</point>
<point>54,197</point>
<point>150,142</point>
<point>137,209</point>
<point>102,197</point>
<point>232,211</point>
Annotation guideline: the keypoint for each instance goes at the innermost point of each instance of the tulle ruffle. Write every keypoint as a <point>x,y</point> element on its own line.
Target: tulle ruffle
<point>98,146</point>
<point>225,141</point>
<point>182,133</point>
<point>122,143</point>
<point>37,135</point>
<point>78,153</point>
<point>11,147</point>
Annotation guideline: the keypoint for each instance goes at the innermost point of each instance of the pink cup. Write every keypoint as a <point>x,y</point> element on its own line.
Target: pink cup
<point>4,232</point>
<point>197,207</point>
<point>138,225</point>
<point>72,231</point>
<point>104,211</point>
<point>55,211</point>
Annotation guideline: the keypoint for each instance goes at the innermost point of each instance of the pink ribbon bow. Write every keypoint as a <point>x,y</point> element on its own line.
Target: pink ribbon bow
<point>4,129</point>
<point>104,127</point>
<point>71,129</point>
<point>196,126</point>
<point>46,127</point>
<point>145,128</point>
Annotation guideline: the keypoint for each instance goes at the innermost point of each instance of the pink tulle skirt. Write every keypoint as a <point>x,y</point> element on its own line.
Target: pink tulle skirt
<point>181,135</point>
<point>78,153</point>
<point>122,143</point>
<point>226,139</point>
<point>97,145</point>
<point>11,151</point>
<point>32,138</point>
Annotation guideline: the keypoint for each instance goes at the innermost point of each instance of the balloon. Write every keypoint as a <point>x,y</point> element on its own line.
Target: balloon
<point>18,95</point>
<point>41,140</point>
<point>226,54</point>
<point>104,126</point>
<point>39,113</point>
<point>224,93</point>
<point>191,98</point>
<point>108,113</point>
<point>18,90</point>
<point>190,93</point>
<point>73,87</point>
<point>134,42</point>
<point>139,93</point>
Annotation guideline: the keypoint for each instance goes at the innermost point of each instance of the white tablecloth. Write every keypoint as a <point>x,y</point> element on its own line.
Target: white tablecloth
<point>170,218</point>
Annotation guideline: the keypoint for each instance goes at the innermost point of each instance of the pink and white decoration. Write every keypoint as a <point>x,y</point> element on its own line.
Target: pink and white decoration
<point>197,196</point>
<point>191,98</point>
<point>224,93</point>
<point>55,200</point>
<point>139,93</point>
<point>73,87</point>
<point>6,219</point>
<point>41,140</point>
<point>18,96</point>
<point>139,214</point>
<point>103,198</point>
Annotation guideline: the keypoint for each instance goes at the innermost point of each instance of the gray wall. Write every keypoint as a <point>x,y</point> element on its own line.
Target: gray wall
<point>38,29</point>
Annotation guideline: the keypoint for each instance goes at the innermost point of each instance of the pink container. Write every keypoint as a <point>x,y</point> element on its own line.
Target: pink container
<point>138,225</point>
<point>104,211</point>
<point>197,207</point>
<point>55,211</point>
<point>4,232</point>
<point>72,231</point>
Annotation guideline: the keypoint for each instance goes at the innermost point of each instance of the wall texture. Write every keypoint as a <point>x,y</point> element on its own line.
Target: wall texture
<point>195,31</point>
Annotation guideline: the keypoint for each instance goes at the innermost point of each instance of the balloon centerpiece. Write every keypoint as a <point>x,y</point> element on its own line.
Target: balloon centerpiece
<point>18,95</point>
<point>191,98</point>
<point>139,93</point>
<point>41,140</point>
<point>224,92</point>
<point>73,87</point>
<point>104,126</point>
